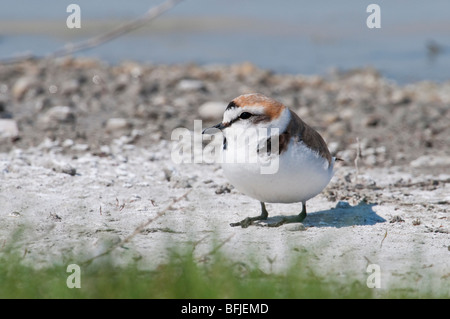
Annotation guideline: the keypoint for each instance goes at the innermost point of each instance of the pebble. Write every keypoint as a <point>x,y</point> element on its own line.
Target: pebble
<point>212,110</point>
<point>330,118</point>
<point>57,115</point>
<point>14,214</point>
<point>295,227</point>
<point>222,189</point>
<point>396,219</point>
<point>156,99</point>
<point>61,114</point>
<point>117,124</point>
<point>190,85</point>
<point>8,128</point>
<point>399,97</point>
<point>69,169</point>
<point>373,120</point>
<point>80,147</point>
<point>48,144</point>
<point>68,143</point>
<point>21,86</point>
<point>65,168</point>
<point>431,161</point>
<point>70,86</point>
<point>105,149</point>
<point>182,181</point>
<point>338,129</point>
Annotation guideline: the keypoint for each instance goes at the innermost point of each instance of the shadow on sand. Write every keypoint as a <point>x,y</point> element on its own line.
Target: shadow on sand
<point>343,215</point>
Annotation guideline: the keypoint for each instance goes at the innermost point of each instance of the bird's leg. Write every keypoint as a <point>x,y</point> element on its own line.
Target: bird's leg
<point>294,219</point>
<point>302,215</point>
<point>249,220</point>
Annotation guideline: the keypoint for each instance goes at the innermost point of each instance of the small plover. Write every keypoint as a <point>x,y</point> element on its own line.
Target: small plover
<point>304,163</point>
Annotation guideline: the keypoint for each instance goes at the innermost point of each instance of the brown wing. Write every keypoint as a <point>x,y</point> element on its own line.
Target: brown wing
<point>303,132</point>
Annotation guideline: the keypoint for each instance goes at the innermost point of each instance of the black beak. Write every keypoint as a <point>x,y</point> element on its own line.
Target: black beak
<point>213,129</point>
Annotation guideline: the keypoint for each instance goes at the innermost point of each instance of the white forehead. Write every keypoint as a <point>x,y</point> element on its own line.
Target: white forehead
<point>280,122</point>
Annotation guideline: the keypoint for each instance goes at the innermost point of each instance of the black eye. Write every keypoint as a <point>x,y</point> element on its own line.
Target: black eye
<point>245,115</point>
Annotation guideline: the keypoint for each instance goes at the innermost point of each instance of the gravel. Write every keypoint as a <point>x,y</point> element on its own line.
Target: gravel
<point>89,101</point>
<point>85,158</point>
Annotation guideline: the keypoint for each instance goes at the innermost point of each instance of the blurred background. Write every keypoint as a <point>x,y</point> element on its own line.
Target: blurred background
<point>79,136</point>
<point>288,36</point>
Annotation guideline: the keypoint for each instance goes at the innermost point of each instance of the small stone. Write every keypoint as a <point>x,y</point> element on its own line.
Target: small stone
<point>65,168</point>
<point>190,85</point>
<point>330,118</point>
<point>48,144</point>
<point>8,128</point>
<point>70,86</point>
<point>431,161</point>
<point>346,114</point>
<point>396,219</point>
<point>14,214</point>
<point>105,149</point>
<point>69,169</point>
<point>181,182</point>
<point>143,184</point>
<point>222,189</point>
<point>58,114</point>
<point>295,227</point>
<point>373,120</point>
<point>80,147</point>
<point>399,97</point>
<point>21,86</point>
<point>212,110</point>
<point>68,143</point>
<point>338,129</point>
<point>117,124</point>
<point>54,217</point>
<point>370,160</point>
<point>167,174</point>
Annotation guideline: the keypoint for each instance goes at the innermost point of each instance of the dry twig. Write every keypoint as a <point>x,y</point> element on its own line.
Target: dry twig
<point>358,156</point>
<point>385,235</point>
<point>90,43</point>
<point>139,229</point>
<point>215,249</point>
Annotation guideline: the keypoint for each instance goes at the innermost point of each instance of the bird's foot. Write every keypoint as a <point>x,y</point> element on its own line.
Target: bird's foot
<point>289,219</point>
<point>248,221</point>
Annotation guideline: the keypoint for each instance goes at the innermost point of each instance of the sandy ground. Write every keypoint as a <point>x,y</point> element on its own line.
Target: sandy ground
<point>79,182</point>
<point>82,205</point>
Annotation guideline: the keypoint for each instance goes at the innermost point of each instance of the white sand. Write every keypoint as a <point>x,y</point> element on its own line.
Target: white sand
<point>110,196</point>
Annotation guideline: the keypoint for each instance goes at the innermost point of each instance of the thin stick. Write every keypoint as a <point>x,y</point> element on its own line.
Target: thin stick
<point>385,235</point>
<point>138,229</point>
<point>358,155</point>
<point>213,251</point>
<point>68,49</point>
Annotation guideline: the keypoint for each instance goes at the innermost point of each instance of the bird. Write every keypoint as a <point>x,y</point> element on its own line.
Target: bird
<point>260,133</point>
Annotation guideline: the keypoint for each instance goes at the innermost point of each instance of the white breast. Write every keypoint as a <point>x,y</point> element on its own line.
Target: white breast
<point>301,175</point>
